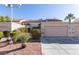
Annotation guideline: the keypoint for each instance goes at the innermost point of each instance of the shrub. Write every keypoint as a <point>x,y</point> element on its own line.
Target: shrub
<point>35,33</point>
<point>24,37</point>
<point>6,33</point>
<point>1,35</point>
<point>14,35</point>
<point>22,29</point>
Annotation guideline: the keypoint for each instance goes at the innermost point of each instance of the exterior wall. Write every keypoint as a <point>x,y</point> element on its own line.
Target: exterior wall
<point>5,26</point>
<point>9,26</point>
<point>60,29</point>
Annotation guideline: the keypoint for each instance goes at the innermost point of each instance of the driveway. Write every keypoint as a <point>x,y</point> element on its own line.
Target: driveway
<point>60,45</point>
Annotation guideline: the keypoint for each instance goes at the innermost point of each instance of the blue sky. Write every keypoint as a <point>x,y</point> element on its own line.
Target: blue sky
<point>4,11</point>
<point>37,11</point>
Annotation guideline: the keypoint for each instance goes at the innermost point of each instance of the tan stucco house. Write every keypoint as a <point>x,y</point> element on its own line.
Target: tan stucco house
<point>59,28</point>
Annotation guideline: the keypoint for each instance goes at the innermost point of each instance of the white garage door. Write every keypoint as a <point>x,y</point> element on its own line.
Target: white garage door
<point>56,31</point>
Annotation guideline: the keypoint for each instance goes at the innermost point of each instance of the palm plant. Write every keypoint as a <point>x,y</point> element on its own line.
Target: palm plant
<point>69,17</point>
<point>24,37</point>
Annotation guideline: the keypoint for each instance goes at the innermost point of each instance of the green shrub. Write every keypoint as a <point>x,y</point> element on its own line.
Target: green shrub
<point>1,35</point>
<point>22,29</point>
<point>35,33</point>
<point>24,37</point>
<point>6,33</point>
<point>14,35</point>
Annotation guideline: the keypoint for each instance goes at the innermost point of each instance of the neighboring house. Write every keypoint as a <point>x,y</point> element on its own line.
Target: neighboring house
<point>5,26</point>
<point>9,26</point>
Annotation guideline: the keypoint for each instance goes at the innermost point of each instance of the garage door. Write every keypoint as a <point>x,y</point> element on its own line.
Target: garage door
<point>55,31</point>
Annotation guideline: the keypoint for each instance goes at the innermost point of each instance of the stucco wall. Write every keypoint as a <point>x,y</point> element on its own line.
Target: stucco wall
<point>5,26</point>
<point>9,26</point>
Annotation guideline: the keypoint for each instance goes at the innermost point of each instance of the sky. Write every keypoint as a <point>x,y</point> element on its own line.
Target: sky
<point>37,11</point>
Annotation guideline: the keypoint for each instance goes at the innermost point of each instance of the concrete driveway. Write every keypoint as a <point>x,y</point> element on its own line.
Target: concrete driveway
<point>60,45</point>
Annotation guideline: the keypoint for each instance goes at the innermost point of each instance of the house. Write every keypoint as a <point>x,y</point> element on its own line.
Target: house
<point>48,27</point>
<point>37,24</point>
<point>59,28</point>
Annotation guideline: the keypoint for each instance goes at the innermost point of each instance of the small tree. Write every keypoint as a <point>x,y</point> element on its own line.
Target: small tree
<point>69,17</point>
